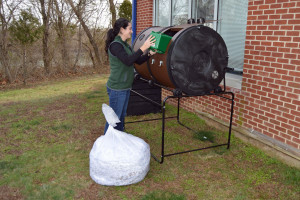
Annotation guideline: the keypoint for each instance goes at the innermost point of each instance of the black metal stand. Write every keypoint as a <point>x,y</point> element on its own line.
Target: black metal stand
<point>179,96</point>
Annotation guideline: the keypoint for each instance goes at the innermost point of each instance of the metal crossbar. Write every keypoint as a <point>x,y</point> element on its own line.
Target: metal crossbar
<point>163,118</point>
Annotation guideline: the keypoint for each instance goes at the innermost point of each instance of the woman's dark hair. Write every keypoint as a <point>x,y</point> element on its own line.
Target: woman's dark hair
<point>113,32</point>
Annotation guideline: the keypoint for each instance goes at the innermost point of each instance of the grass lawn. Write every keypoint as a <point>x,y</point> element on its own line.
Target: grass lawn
<point>47,132</point>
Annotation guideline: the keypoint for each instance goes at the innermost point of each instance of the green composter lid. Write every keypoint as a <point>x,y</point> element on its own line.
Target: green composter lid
<point>161,43</point>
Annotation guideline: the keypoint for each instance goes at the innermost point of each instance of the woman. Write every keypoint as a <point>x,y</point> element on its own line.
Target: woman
<point>121,60</point>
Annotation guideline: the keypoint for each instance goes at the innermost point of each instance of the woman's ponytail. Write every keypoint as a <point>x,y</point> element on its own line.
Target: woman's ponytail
<point>109,38</point>
<point>113,32</point>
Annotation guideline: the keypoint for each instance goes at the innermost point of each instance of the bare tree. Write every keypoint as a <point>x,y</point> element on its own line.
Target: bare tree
<point>7,11</point>
<point>78,12</point>
<point>45,11</point>
<point>112,9</point>
<point>61,28</point>
<point>78,49</point>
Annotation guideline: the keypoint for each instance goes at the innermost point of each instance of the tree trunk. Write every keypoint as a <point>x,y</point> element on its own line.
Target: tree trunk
<point>62,39</point>
<point>3,45</point>
<point>87,31</point>
<point>79,49</point>
<point>4,57</point>
<point>90,54</point>
<point>46,17</point>
<point>112,9</point>
<point>25,74</point>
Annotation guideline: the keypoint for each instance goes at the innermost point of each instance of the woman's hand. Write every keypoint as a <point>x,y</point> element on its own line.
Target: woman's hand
<point>148,43</point>
<point>151,53</point>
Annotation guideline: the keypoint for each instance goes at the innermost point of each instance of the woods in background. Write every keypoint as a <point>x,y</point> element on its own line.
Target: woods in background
<point>43,38</point>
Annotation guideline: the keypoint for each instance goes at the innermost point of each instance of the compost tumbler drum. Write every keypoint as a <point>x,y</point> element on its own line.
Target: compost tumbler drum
<point>194,62</point>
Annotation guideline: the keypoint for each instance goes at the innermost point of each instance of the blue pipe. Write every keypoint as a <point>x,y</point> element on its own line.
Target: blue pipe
<point>133,21</point>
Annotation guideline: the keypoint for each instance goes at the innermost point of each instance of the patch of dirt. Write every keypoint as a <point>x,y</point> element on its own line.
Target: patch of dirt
<point>90,192</point>
<point>9,193</point>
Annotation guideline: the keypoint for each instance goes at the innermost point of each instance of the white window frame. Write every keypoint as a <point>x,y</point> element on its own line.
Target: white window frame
<point>190,2</point>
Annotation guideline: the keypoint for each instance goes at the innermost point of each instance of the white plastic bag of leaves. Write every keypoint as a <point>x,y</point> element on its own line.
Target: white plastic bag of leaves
<point>118,158</point>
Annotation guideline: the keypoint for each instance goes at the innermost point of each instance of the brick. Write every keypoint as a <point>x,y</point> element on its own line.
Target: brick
<point>294,10</point>
<point>262,27</point>
<point>282,1</point>
<point>273,27</point>
<point>284,50</point>
<point>291,56</point>
<point>297,51</point>
<point>280,82</point>
<point>269,80</point>
<point>289,5</point>
<point>292,84</point>
<point>269,22</point>
<point>282,71</point>
<point>273,86</point>
<point>258,12</point>
<point>275,6</point>
<point>281,11</point>
<point>292,21</point>
<point>273,49</point>
<point>295,62</point>
<point>286,100</point>
<point>281,119</point>
<point>278,44</point>
<point>262,17</point>
<point>289,27</point>
<point>294,73</point>
<point>269,32</point>
<point>288,16</point>
<point>289,116</point>
<point>274,38</point>
<point>257,22</point>
<point>279,92</point>
<point>275,122</point>
<point>285,39</point>
<point>279,22</point>
<point>293,33</point>
<point>266,43</point>
<point>295,113</point>
<point>280,103</point>
<point>261,37</point>
<point>270,1</point>
<point>283,60</point>
<point>290,106</point>
<point>287,78</point>
<point>286,89</point>
<point>289,44</point>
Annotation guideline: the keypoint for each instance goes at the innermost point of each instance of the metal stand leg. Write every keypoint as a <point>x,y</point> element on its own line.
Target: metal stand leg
<point>163,119</point>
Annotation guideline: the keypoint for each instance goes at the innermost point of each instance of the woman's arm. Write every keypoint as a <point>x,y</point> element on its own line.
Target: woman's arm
<point>118,50</point>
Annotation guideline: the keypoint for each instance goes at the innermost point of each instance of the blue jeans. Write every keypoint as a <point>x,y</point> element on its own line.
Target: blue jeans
<point>118,101</point>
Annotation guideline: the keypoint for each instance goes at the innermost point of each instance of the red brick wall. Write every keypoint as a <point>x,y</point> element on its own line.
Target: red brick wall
<point>270,96</point>
<point>144,14</point>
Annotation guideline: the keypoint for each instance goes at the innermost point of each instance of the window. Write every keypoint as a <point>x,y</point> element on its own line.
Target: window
<point>228,17</point>
<point>163,11</point>
<point>180,13</point>
<point>232,27</point>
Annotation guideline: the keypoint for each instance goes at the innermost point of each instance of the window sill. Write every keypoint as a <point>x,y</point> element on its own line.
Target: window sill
<point>233,80</point>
